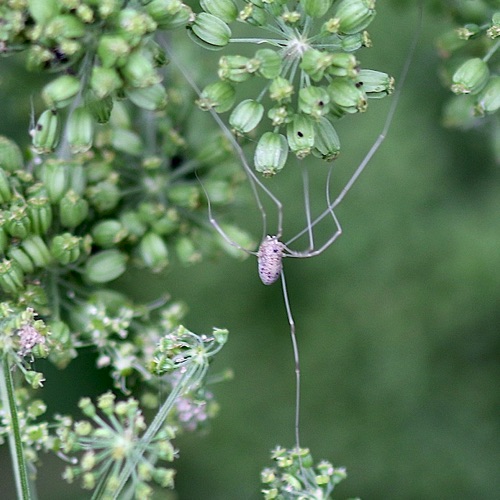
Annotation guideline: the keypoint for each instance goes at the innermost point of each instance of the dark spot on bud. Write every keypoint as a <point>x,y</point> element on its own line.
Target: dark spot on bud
<point>359,84</point>
<point>321,104</point>
<point>300,134</point>
<point>39,127</point>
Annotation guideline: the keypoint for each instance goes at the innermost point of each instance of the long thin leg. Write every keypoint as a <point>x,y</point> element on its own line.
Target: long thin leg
<point>307,206</point>
<point>295,347</point>
<point>254,180</point>
<point>380,139</point>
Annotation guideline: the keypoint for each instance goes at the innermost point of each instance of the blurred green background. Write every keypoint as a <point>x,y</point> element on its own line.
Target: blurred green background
<point>398,322</point>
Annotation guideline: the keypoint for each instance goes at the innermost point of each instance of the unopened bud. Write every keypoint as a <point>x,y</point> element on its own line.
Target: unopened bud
<point>270,154</point>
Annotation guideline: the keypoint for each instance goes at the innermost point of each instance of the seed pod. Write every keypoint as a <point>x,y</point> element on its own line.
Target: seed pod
<point>375,83</point>
<point>133,24</point>
<point>45,135</point>
<point>104,196</point>
<point>153,252</point>
<point>354,15</point>
<point>223,9</point>
<point>127,141</point>
<point>178,20</point>
<point>139,71</point>
<point>43,10</point>
<point>315,63</point>
<point>108,233</point>
<point>488,100</point>
<point>246,116</point>
<point>65,248</point>
<point>37,250</point>
<point>236,69</point>
<point>63,27</point>
<point>270,154</point>
<point>11,276</point>
<point>73,209</point>
<point>105,266</point>
<point>104,81</point>
<point>314,101</point>
<point>60,92</point>
<point>11,158</point>
<point>186,251</point>
<point>80,130</point>
<point>218,96</point>
<point>347,95</point>
<point>55,178</point>
<point>5,192</point>
<point>210,31</point>
<point>20,257</point>
<point>162,11</point>
<point>326,140</point>
<point>281,90</point>
<point>99,108</point>
<point>17,222</point>
<point>269,63</point>
<point>113,50</point>
<point>316,8</point>
<point>40,214</point>
<point>152,98</point>
<point>471,77</point>
<point>184,195</point>
<point>133,224</point>
<point>343,64</point>
<point>300,135</point>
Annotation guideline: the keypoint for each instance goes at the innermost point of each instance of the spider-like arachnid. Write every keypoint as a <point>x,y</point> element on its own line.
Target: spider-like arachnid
<point>272,250</point>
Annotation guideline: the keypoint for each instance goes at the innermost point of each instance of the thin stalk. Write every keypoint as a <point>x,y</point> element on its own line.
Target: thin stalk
<point>15,443</point>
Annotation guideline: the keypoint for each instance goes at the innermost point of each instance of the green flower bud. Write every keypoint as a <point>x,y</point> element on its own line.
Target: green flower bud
<point>134,24</point>
<point>108,233</point>
<point>270,154</point>
<point>40,214</point>
<point>37,250</point>
<point>60,92</point>
<point>354,15</point>
<point>64,26</point>
<point>236,68</point>
<point>314,101</point>
<point>246,116</point>
<point>105,266</point>
<point>85,13</point>
<point>104,196</point>
<point>471,77</point>
<point>351,43</point>
<point>343,64</point>
<point>223,9</point>
<point>326,140</point>
<point>347,95</point>
<point>210,31</point>
<point>20,257</point>
<point>127,141</point>
<point>107,8</point>
<point>184,195</point>
<point>104,81</point>
<point>65,248</point>
<point>280,115</point>
<point>139,71</point>
<point>494,30</point>
<point>43,10</point>
<point>218,96</point>
<point>45,135</point>
<point>17,222</point>
<point>167,224</point>
<point>186,251</point>
<point>300,135</point>
<point>281,90</point>
<point>80,130</point>
<point>11,276</point>
<point>316,8</point>
<point>73,209</point>
<point>55,177</point>
<point>100,108</point>
<point>270,63</point>
<point>375,83</point>
<point>152,98</point>
<point>112,50</point>
<point>488,100</point>
<point>5,192</point>
<point>77,177</point>
<point>11,158</point>
<point>153,252</point>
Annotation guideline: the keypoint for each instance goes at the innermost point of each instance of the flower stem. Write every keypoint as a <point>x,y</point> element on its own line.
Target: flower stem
<point>15,443</point>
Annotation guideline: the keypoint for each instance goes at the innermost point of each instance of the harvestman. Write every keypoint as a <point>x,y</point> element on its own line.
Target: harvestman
<point>272,250</point>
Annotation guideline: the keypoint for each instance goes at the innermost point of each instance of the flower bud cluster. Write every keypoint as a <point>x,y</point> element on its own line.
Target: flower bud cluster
<point>470,53</point>
<point>310,76</point>
<point>112,436</point>
<point>101,50</point>
<point>295,476</point>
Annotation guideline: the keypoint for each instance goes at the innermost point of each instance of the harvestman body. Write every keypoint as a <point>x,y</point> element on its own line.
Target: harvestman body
<point>269,259</point>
